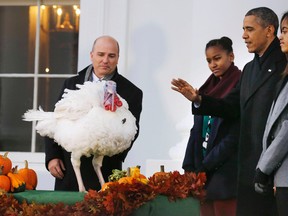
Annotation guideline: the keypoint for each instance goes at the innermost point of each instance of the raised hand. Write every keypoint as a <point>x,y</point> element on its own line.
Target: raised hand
<point>186,90</point>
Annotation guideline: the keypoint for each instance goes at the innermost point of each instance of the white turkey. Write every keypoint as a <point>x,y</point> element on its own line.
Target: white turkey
<point>92,120</point>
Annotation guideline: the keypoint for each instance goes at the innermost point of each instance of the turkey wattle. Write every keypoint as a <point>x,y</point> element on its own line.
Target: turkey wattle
<point>92,120</point>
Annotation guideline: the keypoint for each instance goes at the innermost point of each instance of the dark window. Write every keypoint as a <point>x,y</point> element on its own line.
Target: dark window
<point>36,55</point>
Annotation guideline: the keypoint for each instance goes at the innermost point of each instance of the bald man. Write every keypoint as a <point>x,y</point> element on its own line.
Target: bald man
<point>104,57</point>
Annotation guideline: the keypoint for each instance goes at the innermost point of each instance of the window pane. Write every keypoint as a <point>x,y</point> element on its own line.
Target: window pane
<point>49,91</point>
<point>58,54</point>
<point>15,99</point>
<point>59,39</point>
<point>17,40</point>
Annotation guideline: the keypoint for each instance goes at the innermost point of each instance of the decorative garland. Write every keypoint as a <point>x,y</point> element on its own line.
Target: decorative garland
<point>117,198</point>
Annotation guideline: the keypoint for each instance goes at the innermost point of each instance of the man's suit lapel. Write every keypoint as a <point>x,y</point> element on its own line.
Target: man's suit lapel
<point>265,75</point>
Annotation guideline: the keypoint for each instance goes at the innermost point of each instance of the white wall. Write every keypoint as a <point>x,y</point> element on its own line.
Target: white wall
<point>160,40</point>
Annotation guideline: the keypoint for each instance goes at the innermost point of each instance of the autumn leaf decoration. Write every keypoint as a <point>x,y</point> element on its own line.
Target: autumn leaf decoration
<point>119,198</point>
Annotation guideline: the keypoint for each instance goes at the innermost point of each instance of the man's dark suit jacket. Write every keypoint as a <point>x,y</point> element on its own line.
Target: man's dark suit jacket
<point>133,95</point>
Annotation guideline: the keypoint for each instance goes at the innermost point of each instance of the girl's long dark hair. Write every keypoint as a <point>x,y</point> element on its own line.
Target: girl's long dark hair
<point>285,18</point>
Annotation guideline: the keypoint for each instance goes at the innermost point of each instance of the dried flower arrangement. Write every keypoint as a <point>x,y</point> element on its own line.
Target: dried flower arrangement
<point>117,198</point>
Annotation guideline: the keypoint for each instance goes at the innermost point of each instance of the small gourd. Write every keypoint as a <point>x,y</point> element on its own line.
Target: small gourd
<point>17,181</point>
<point>29,176</point>
<point>133,174</point>
<point>6,163</point>
<point>126,179</point>
<point>136,174</point>
<point>4,182</point>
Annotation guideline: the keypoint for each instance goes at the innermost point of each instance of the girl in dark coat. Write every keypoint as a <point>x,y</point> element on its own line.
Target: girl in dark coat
<point>212,146</point>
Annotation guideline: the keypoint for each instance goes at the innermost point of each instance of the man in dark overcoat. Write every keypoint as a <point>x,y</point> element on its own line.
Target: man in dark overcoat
<point>104,57</point>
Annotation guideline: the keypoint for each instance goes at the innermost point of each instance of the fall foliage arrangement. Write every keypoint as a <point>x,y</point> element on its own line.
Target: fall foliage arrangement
<point>122,195</point>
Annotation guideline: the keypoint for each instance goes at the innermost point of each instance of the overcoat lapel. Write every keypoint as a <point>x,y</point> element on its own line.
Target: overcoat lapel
<point>266,72</point>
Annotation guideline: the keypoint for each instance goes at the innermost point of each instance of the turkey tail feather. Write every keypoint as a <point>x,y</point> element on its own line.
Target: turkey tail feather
<point>37,115</point>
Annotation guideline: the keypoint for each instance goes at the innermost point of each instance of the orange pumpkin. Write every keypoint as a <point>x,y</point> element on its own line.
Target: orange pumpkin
<point>5,183</point>
<point>29,176</point>
<point>6,163</point>
<point>161,175</point>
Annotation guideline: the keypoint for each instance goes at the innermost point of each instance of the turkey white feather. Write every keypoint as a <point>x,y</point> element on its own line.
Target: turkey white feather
<point>83,123</point>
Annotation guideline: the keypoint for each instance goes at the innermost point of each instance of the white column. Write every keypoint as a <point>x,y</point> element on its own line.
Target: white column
<point>102,17</point>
